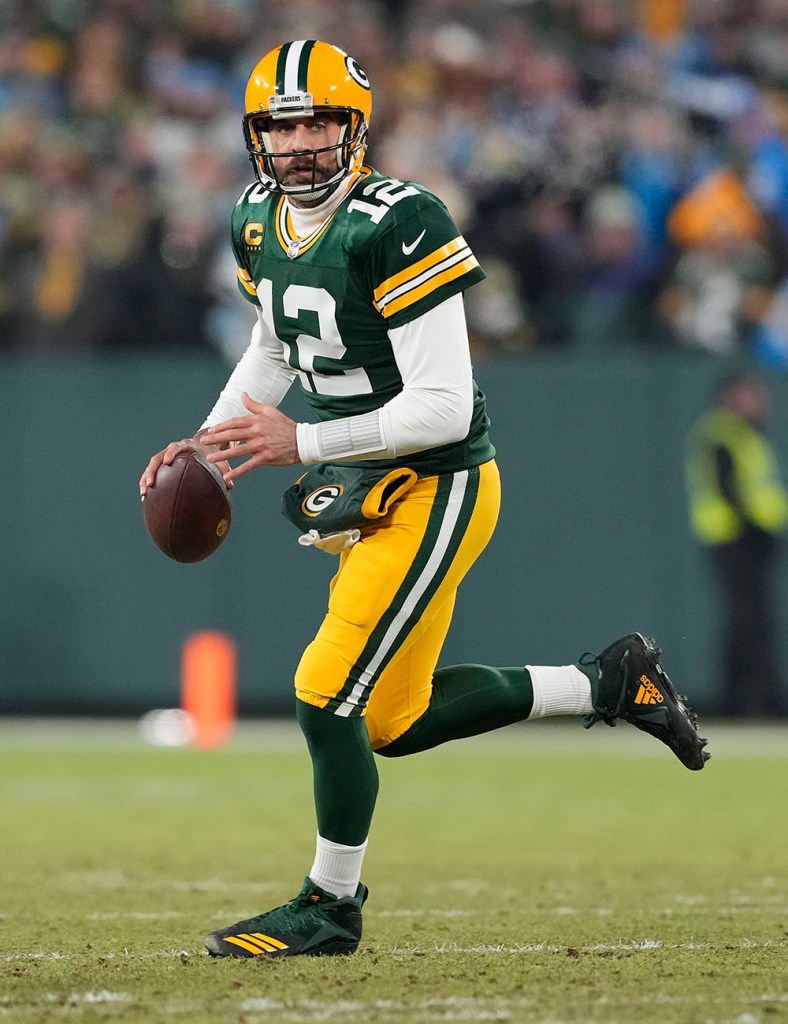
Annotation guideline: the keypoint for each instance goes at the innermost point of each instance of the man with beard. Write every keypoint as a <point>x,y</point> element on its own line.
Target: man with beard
<point>357,279</point>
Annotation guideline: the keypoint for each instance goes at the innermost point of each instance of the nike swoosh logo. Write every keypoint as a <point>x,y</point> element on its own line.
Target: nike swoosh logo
<point>408,249</point>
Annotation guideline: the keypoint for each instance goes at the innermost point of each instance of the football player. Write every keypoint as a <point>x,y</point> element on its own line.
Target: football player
<point>357,280</point>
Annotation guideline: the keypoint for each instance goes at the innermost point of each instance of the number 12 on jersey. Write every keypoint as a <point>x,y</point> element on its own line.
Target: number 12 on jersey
<point>390,192</point>
<point>332,378</point>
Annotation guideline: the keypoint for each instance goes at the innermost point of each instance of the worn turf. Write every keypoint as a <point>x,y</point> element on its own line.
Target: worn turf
<point>544,874</point>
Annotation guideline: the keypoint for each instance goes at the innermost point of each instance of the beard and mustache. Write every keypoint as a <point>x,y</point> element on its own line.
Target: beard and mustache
<point>306,170</point>
<point>301,171</point>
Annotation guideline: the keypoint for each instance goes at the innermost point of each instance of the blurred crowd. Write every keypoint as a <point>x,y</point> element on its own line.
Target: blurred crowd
<point>620,167</point>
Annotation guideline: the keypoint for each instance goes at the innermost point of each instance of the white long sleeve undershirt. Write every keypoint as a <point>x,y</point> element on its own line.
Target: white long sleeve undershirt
<point>434,407</point>
<point>261,371</point>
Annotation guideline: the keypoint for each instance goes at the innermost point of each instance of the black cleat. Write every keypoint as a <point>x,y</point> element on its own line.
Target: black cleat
<point>315,923</point>
<point>632,685</point>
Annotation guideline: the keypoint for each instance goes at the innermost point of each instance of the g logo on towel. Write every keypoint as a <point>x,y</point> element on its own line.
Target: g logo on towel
<point>314,503</point>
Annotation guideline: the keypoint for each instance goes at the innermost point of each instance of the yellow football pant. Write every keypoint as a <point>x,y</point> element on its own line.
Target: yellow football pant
<point>391,603</point>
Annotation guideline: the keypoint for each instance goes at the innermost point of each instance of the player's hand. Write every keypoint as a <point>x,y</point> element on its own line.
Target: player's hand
<point>266,437</point>
<point>166,455</point>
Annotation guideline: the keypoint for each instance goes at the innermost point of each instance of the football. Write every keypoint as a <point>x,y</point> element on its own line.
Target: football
<point>187,511</point>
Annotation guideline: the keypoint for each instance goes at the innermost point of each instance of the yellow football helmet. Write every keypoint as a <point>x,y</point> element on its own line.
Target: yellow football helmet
<point>301,79</point>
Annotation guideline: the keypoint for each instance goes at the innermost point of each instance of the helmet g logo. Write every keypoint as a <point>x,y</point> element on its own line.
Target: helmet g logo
<point>319,500</point>
<point>356,73</point>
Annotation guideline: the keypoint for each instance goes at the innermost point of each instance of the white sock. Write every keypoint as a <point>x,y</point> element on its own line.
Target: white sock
<point>337,868</point>
<point>559,690</point>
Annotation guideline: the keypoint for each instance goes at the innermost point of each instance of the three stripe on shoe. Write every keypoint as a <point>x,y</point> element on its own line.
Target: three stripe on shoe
<point>256,942</point>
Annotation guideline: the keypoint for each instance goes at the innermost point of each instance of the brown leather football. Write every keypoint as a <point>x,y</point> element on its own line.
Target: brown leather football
<point>187,510</point>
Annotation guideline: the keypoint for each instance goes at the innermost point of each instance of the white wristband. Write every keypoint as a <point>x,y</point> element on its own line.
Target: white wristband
<point>351,437</point>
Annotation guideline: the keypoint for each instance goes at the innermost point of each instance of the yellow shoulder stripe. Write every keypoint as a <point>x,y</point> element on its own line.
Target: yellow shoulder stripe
<point>246,280</point>
<point>418,268</point>
<point>435,281</point>
<point>450,261</point>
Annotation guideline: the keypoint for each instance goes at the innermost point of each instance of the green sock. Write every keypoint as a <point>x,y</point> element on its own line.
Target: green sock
<point>345,773</point>
<point>467,700</point>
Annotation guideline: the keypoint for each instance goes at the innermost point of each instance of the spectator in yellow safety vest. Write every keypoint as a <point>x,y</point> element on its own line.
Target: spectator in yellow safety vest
<point>739,510</point>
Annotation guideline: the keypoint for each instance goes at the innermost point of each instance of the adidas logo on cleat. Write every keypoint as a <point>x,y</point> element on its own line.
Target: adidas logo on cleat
<point>633,686</point>
<point>648,692</point>
<point>256,943</point>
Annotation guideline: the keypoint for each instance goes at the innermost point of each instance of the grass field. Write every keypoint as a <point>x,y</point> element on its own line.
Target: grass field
<point>542,874</point>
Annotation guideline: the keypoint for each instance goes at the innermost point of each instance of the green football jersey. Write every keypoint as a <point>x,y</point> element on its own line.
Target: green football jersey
<point>390,253</point>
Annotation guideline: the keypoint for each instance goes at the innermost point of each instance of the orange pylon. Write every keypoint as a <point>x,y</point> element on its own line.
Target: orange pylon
<point>208,685</point>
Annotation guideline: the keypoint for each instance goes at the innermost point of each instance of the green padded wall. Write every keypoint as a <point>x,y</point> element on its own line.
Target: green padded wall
<point>593,538</point>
